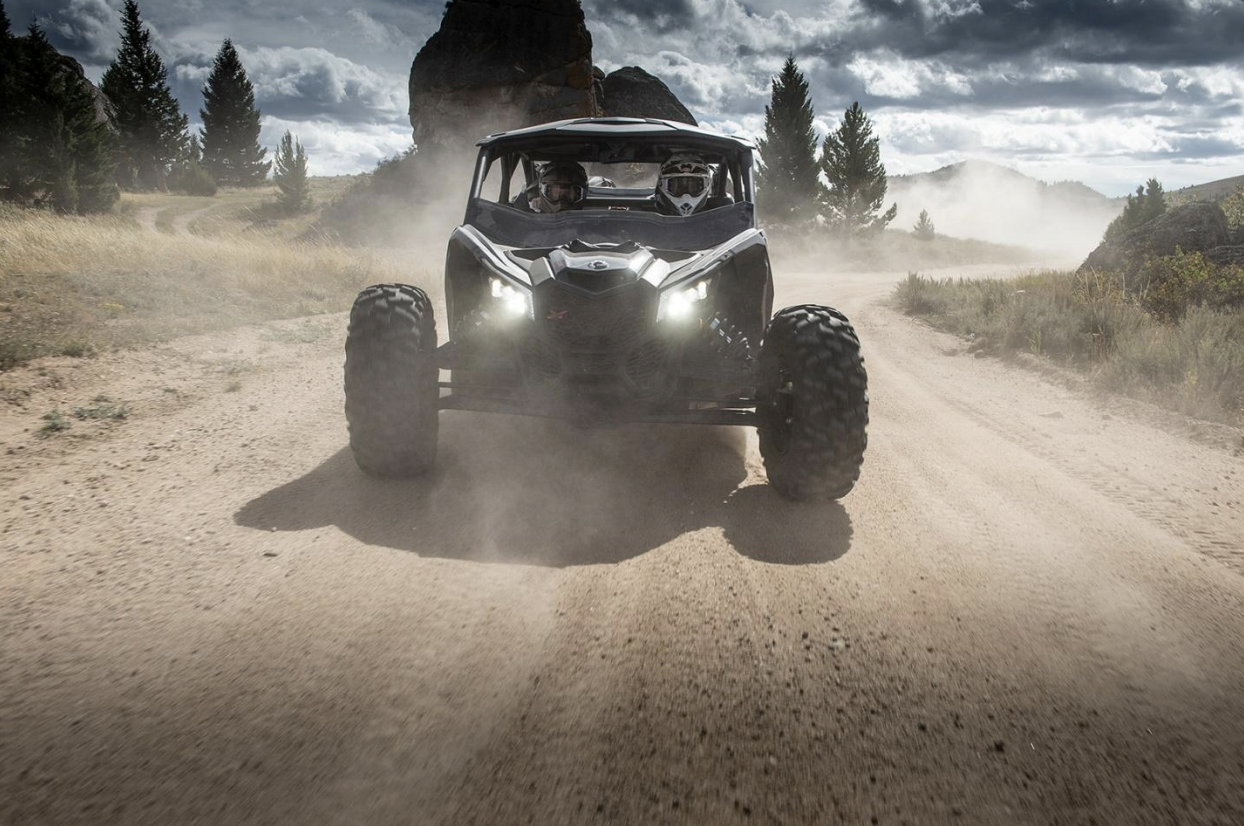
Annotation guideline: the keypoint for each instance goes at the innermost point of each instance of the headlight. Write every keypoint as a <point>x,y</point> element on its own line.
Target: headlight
<point>515,302</point>
<point>681,303</point>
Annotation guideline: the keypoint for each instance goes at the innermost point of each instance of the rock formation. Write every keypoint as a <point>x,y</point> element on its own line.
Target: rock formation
<point>1198,226</point>
<point>497,65</point>
<point>73,68</point>
<point>630,92</point>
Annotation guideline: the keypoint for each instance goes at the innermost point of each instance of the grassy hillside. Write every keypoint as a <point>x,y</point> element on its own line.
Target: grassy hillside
<point>1212,191</point>
<point>72,285</point>
<point>231,211</point>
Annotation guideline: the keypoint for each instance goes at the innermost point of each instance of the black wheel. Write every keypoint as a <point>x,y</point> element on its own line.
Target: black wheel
<point>812,403</point>
<point>392,390</point>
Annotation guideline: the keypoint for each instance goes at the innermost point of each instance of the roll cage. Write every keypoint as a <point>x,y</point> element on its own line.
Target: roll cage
<point>610,214</point>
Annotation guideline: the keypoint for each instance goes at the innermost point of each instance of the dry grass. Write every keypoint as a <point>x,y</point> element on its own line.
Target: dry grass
<point>1195,366</point>
<point>73,285</point>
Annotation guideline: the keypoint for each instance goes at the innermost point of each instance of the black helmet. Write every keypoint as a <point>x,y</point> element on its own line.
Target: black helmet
<point>560,185</point>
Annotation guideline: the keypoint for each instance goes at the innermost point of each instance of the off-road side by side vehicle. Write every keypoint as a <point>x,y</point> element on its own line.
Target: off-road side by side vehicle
<point>610,314</point>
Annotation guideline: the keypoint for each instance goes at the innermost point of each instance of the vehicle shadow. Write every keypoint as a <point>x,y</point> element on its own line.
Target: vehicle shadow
<point>540,492</point>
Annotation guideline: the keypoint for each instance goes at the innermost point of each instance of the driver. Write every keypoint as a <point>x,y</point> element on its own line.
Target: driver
<point>683,185</point>
<point>561,185</point>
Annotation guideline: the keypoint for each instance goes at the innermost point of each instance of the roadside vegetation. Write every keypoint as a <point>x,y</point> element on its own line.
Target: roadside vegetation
<point>1176,338</point>
<point>73,285</point>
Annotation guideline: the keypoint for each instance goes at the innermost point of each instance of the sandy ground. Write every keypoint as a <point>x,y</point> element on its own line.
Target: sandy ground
<point>1029,611</point>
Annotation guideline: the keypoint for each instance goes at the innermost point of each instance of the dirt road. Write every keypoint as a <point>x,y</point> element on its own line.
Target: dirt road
<point>1029,611</point>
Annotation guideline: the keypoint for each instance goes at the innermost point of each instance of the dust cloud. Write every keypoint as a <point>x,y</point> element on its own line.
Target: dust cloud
<point>1064,221</point>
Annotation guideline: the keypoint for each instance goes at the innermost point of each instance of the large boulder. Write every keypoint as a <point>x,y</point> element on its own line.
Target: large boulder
<point>500,64</point>
<point>1228,256</point>
<point>630,92</point>
<point>73,68</point>
<point>1194,227</point>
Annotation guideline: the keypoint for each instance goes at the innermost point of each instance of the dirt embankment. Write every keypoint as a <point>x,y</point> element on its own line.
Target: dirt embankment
<point>1029,610</point>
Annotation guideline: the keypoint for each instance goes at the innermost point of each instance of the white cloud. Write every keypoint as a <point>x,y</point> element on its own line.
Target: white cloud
<point>317,80</point>
<point>373,31</point>
<point>334,150</point>
<point>885,74</point>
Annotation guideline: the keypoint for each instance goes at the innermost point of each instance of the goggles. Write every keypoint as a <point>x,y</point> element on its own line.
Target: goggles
<point>679,186</point>
<point>558,192</point>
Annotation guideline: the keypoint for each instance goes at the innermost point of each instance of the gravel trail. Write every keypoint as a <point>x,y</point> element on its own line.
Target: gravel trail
<point>1029,611</point>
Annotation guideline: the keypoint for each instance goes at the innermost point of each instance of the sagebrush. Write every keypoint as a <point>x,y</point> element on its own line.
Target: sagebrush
<point>1095,322</point>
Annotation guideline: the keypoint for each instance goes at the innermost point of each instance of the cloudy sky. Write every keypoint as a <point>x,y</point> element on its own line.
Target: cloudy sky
<point>1108,92</point>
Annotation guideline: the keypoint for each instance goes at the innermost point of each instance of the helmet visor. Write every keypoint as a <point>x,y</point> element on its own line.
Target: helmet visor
<point>560,192</point>
<point>679,186</point>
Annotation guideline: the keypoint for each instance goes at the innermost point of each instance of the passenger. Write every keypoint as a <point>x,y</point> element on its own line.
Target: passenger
<point>683,185</point>
<point>561,185</point>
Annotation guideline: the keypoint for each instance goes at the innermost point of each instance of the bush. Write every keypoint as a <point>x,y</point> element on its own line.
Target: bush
<point>192,180</point>
<point>1233,207</point>
<point>1192,361</point>
<point>1170,285</point>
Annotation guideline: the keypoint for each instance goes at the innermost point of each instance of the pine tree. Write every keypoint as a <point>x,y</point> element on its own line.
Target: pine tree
<point>788,179</point>
<point>9,106</point>
<point>851,161</point>
<point>231,150</point>
<point>150,126</point>
<point>1148,203</point>
<point>64,149</point>
<point>291,176</point>
<point>188,175</point>
<point>924,228</point>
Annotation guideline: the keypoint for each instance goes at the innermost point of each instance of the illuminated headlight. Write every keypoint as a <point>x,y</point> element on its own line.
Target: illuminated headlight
<point>515,302</point>
<point>681,303</point>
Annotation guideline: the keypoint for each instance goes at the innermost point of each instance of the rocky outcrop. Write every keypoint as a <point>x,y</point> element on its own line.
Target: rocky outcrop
<point>1226,256</point>
<point>73,68</point>
<point>497,65</point>
<point>630,92</point>
<point>1198,226</point>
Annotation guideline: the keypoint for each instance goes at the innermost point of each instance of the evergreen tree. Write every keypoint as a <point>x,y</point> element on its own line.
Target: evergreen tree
<point>851,161</point>
<point>291,176</point>
<point>9,105</point>
<point>1148,203</point>
<point>188,175</point>
<point>231,150</point>
<point>64,148</point>
<point>924,228</point>
<point>788,185</point>
<point>150,126</point>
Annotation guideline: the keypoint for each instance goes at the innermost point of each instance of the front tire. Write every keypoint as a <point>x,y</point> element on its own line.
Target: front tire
<point>392,381</point>
<point>812,403</point>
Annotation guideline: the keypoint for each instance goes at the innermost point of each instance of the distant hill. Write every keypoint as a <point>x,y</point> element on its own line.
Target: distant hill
<point>1212,191</point>
<point>979,199</point>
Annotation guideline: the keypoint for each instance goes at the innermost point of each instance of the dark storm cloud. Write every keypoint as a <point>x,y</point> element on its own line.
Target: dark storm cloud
<point>662,16</point>
<point>1144,32</point>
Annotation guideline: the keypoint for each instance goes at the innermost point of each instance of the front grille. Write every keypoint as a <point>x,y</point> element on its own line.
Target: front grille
<point>592,363</point>
<point>540,359</point>
<point>609,322</point>
<point>644,364</point>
